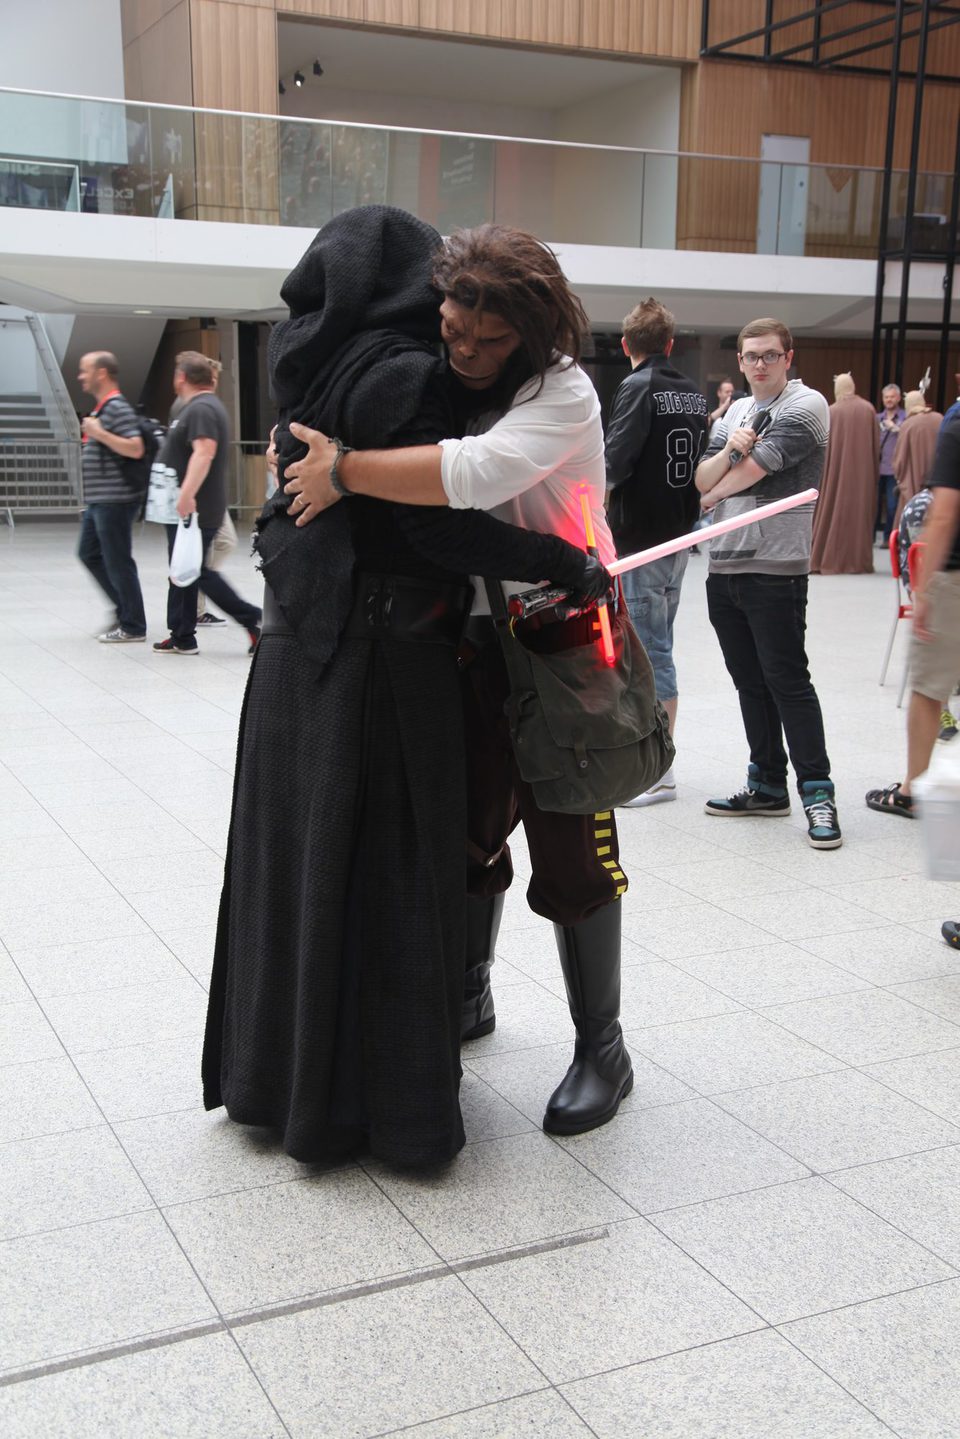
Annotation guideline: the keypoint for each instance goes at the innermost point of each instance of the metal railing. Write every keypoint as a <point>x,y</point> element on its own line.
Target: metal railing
<point>151,160</point>
<point>38,476</point>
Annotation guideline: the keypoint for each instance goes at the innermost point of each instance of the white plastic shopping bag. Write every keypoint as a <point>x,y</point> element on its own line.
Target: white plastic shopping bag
<point>162,495</point>
<point>187,557</point>
<point>938,796</point>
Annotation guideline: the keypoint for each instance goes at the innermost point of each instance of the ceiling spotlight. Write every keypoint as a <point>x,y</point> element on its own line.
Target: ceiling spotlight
<point>283,88</point>
<point>317,68</point>
<point>298,78</point>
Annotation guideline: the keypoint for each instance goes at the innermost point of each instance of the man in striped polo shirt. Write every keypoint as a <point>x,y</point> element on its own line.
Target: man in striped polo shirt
<point>768,445</point>
<point>111,435</point>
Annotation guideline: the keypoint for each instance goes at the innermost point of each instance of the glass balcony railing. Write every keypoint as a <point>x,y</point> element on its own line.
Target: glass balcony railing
<point>127,158</point>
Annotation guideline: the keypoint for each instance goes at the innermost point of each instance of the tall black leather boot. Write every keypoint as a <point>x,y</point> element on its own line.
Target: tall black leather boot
<point>601,1074</point>
<point>483,926</point>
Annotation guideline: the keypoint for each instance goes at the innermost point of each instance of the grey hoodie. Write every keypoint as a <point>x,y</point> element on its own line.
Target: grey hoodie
<point>792,450</point>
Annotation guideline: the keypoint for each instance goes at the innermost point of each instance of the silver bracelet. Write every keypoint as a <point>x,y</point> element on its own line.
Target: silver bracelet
<point>335,479</point>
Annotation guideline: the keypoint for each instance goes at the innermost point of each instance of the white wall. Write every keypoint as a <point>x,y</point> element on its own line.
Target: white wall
<point>72,47</point>
<point>624,200</point>
<point>418,112</point>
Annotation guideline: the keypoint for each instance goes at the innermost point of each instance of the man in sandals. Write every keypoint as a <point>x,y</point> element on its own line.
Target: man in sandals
<point>935,643</point>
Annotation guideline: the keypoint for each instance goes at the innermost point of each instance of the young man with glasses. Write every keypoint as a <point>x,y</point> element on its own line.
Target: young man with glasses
<point>769,445</point>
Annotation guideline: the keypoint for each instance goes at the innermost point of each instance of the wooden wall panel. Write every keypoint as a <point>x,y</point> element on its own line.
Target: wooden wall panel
<point>156,63</point>
<point>403,13</point>
<point>464,17</point>
<point>234,56</point>
<point>325,9</point>
<point>136,16</point>
<point>544,22</point>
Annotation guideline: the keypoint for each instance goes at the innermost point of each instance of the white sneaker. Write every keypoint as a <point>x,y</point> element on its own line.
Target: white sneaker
<point>664,789</point>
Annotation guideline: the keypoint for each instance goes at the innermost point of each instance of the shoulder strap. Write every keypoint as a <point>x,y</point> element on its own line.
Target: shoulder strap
<point>513,652</point>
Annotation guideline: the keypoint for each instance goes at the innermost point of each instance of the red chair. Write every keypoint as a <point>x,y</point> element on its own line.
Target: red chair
<point>904,610</point>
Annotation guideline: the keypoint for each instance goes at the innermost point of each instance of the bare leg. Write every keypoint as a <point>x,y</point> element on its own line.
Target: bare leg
<point>671,708</point>
<point>923,726</point>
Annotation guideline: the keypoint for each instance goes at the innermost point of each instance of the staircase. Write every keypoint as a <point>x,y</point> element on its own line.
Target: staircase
<point>39,436</point>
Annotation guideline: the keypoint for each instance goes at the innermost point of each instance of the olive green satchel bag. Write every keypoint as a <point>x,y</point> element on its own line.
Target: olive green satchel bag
<point>587,736</point>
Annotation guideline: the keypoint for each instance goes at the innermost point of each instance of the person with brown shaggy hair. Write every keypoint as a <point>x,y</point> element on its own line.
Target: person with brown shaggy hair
<point>513,331</point>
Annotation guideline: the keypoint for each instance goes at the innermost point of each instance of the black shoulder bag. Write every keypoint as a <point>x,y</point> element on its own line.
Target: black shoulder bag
<point>587,736</point>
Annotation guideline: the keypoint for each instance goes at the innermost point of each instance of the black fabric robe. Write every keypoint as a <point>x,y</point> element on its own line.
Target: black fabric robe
<point>335,999</point>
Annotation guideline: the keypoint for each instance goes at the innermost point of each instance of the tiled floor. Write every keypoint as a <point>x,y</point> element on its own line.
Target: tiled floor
<point>766,1241</point>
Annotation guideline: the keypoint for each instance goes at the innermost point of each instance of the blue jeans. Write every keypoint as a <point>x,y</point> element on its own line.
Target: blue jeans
<point>652,594</point>
<point>886,505</point>
<point>182,603</point>
<point>761,623</point>
<point>106,548</point>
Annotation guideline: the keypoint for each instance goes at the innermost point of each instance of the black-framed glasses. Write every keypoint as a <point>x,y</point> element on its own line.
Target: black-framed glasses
<point>769,357</point>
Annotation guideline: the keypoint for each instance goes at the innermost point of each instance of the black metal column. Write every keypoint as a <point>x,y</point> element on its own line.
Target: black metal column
<point>884,235</point>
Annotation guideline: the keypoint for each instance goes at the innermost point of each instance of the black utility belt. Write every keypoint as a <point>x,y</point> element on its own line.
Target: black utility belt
<point>395,606</point>
<point>545,633</point>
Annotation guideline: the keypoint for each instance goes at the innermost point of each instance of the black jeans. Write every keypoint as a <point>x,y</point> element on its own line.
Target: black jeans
<point>761,622</point>
<point>106,548</point>
<point>182,603</point>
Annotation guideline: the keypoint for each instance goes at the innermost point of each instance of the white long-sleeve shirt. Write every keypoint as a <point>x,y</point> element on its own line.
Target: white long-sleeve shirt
<point>528,466</point>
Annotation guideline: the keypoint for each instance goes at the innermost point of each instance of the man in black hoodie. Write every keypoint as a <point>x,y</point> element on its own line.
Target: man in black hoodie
<point>657,429</point>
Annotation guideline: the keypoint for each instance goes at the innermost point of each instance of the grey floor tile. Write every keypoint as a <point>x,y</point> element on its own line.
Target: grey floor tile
<point>527,1078</point>
<point>661,993</point>
<point>726,874</point>
<point>770,974</point>
<point>608,1303</point>
<point>917,1193</point>
<point>195,1388</point>
<point>285,1241</point>
<point>144,1079</point>
<point>487,1114</point>
<point>193,947</point>
<point>139,874</point>
<point>832,1120</point>
<point>162,909</point>
<point>932,1080</point>
<point>867,1026</point>
<point>940,996</point>
<point>690,929</point>
<point>865,1347</point>
<point>528,1016</point>
<point>61,920</point>
<point>731,1051</point>
<point>534,1416</point>
<point>892,954</point>
<point>97,964</point>
<point>345,1371</point>
<point>93,1285</point>
<point>44,1096</point>
<point>798,1249</point>
<point>679,1154</point>
<point>25,1034</point>
<point>13,990</point>
<point>171,1009</point>
<point>43,851</point>
<point>752,1387</point>
<point>66,1179</point>
<point>800,914</point>
<point>191,1154</point>
<point>902,898</point>
<point>500,1194</point>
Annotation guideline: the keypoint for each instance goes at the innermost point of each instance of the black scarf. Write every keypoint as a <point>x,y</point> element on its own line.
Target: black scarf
<point>354,360</point>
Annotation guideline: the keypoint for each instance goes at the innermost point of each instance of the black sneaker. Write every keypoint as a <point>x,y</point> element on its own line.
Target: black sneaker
<point>823,831</point>
<point>750,801</point>
<point>254,638</point>
<point>950,930</point>
<point>119,636</point>
<point>208,619</point>
<point>169,646</point>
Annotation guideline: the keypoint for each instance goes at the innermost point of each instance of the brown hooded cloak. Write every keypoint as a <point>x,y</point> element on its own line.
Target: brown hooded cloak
<point>843,519</point>
<point>913,457</point>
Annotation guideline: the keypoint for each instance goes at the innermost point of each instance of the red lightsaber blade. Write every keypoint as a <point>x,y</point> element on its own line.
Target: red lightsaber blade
<point>531,602</point>
<point>603,613</point>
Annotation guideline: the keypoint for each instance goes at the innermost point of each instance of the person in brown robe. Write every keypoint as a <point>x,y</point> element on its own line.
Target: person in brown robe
<point>913,457</point>
<point>843,519</point>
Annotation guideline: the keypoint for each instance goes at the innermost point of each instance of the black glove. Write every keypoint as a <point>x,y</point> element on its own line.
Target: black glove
<point>595,587</point>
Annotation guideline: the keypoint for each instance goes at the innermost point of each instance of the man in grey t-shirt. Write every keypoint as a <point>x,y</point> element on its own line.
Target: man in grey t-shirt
<point>196,450</point>
<point>769,445</point>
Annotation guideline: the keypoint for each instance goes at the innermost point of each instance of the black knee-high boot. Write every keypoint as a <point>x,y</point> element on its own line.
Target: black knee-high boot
<point>601,1074</point>
<point>483,926</point>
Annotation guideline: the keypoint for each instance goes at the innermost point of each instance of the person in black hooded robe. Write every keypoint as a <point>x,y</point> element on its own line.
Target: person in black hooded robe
<point>337,986</point>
